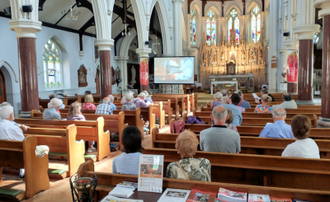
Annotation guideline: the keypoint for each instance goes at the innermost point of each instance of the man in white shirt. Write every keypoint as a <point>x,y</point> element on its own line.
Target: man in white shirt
<point>288,103</point>
<point>10,131</point>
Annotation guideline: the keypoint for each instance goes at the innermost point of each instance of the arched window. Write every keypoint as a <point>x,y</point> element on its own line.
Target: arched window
<point>193,28</point>
<point>52,65</point>
<point>211,29</point>
<point>255,24</point>
<point>233,18</point>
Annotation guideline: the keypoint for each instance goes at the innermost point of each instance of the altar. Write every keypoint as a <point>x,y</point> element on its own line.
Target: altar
<point>244,82</point>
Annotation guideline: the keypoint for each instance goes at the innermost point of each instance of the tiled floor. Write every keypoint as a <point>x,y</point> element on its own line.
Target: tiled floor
<point>60,190</point>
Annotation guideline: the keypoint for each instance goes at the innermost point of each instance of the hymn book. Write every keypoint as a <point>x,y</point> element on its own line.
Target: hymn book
<point>151,173</point>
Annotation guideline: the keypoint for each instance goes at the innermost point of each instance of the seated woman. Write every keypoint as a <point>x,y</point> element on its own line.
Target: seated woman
<point>230,119</point>
<point>53,112</point>
<point>75,112</point>
<point>128,162</point>
<point>264,107</point>
<point>189,168</point>
<point>128,105</point>
<point>217,100</point>
<point>303,147</point>
<point>89,103</point>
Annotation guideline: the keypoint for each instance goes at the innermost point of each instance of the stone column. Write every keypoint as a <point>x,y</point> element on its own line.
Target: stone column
<point>104,48</point>
<point>144,68</point>
<point>122,63</point>
<point>325,111</point>
<point>273,45</point>
<point>177,9</point>
<point>25,29</point>
<point>305,31</point>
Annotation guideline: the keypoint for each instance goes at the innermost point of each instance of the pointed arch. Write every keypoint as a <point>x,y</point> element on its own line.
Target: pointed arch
<point>213,8</point>
<point>10,69</point>
<point>252,5</point>
<point>164,26</point>
<point>231,8</point>
<point>195,6</point>
<point>126,43</point>
<point>141,24</point>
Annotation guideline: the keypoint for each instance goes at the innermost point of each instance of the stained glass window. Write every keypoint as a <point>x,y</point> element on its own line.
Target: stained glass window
<point>211,26</point>
<point>255,24</point>
<point>193,28</point>
<point>52,65</point>
<point>233,18</point>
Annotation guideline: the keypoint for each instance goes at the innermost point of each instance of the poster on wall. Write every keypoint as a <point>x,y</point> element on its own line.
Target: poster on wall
<point>292,69</point>
<point>144,71</point>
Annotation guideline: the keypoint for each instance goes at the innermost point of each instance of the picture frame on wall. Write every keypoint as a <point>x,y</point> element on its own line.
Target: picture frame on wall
<point>82,76</point>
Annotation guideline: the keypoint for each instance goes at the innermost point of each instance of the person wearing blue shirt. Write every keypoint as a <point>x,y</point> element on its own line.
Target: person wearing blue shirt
<point>243,103</point>
<point>112,99</point>
<point>234,100</point>
<point>279,129</point>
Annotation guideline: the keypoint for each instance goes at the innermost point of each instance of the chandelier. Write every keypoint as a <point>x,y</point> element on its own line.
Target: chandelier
<point>70,14</point>
<point>126,31</point>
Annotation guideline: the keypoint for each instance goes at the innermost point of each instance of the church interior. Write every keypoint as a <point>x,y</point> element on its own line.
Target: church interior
<point>182,54</point>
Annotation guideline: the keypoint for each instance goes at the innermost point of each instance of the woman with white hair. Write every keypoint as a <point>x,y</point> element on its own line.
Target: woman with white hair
<point>217,100</point>
<point>139,101</point>
<point>128,105</point>
<point>123,100</point>
<point>148,97</point>
<point>53,112</point>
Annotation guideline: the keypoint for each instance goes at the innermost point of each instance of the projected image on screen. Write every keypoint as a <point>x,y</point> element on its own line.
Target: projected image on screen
<point>174,70</point>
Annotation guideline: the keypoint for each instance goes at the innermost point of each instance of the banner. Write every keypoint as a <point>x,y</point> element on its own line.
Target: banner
<point>292,69</point>
<point>144,71</point>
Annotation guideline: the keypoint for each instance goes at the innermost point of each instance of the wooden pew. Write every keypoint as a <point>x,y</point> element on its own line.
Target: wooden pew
<point>249,145</point>
<point>174,105</point>
<point>167,109</point>
<point>158,110</point>
<point>61,141</point>
<point>86,130</point>
<point>309,108</point>
<point>255,115</point>
<point>21,154</point>
<point>270,171</point>
<point>148,115</point>
<point>107,181</point>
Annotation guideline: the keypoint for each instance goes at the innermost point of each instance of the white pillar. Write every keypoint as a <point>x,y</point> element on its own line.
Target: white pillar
<point>273,44</point>
<point>177,9</point>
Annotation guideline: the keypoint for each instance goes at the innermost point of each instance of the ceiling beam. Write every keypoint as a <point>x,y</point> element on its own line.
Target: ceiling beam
<point>85,3</point>
<point>120,12</point>
<point>41,4</point>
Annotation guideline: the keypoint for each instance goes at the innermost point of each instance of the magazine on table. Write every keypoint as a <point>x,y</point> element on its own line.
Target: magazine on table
<point>276,199</point>
<point>131,185</point>
<point>110,198</point>
<point>233,196</point>
<point>151,173</point>
<point>197,195</point>
<point>174,195</point>
<point>258,198</point>
<point>123,192</point>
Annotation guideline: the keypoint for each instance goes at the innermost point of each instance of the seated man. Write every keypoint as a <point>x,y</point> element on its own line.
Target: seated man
<point>139,101</point>
<point>224,93</point>
<point>51,96</point>
<point>237,111</point>
<point>52,112</point>
<point>279,129</point>
<point>21,126</point>
<point>9,130</point>
<point>219,138</point>
<point>258,101</point>
<point>288,103</point>
<point>112,99</point>
<point>243,103</point>
<point>148,97</point>
<point>105,107</point>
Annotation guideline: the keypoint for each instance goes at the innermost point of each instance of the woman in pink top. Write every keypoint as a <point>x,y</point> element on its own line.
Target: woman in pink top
<point>88,105</point>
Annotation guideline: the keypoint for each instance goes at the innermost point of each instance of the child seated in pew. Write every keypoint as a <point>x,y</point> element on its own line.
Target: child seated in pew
<point>230,119</point>
<point>89,103</point>
<point>128,162</point>
<point>303,147</point>
<point>189,168</point>
<point>10,131</point>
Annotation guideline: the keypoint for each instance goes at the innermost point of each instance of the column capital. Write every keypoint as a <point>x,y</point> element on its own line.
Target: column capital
<point>121,58</point>
<point>291,44</point>
<point>178,1</point>
<point>25,28</point>
<point>325,5</point>
<point>104,44</point>
<point>143,52</point>
<point>306,31</point>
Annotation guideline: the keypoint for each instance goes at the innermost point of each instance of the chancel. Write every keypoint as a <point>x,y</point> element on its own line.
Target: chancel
<point>201,85</point>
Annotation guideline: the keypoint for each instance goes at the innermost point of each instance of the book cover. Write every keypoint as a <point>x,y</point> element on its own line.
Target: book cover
<point>174,195</point>
<point>258,198</point>
<point>115,199</point>
<point>233,196</point>
<point>197,195</point>
<point>276,199</point>
<point>151,173</point>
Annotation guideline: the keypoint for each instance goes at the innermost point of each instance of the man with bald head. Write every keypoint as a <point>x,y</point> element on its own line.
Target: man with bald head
<point>279,129</point>
<point>219,138</point>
